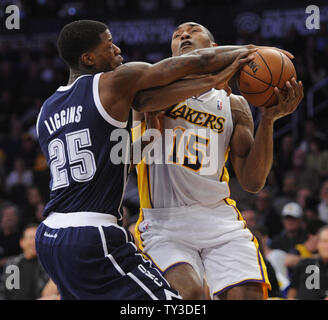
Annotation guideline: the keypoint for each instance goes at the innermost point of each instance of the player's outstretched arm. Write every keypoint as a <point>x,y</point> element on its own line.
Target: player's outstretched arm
<point>165,96</point>
<point>252,157</point>
<point>118,88</point>
<point>202,61</point>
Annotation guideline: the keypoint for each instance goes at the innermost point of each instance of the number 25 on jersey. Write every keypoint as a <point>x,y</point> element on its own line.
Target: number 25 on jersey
<point>81,162</point>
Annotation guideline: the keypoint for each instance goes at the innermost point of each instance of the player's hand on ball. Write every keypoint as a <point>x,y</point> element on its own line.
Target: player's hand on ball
<point>222,78</point>
<point>287,53</point>
<point>287,103</point>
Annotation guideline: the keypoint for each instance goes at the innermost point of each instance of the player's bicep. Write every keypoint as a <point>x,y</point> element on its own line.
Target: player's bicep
<point>117,88</point>
<point>243,134</point>
<point>240,147</point>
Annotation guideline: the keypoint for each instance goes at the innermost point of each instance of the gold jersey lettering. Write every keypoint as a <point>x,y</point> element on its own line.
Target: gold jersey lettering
<point>203,119</point>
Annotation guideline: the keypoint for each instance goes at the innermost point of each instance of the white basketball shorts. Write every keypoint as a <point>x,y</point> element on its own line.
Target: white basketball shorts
<point>214,241</point>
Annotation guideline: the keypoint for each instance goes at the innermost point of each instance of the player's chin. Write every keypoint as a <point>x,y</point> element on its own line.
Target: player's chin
<point>113,65</point>
<point>185,50</point>
<point>119,60</point>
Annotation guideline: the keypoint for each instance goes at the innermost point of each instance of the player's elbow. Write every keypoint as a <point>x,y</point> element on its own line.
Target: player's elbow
<point>137,106</point>
<point>141,102</point>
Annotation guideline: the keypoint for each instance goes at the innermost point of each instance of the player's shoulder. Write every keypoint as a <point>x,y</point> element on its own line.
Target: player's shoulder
<point>130,67</point>
<point>240,109</point>
<point>126,73</point>
<point>238,102</point>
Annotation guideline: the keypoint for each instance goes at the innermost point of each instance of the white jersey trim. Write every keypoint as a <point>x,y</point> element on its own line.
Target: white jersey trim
<point>100,107</point>
<point>65,88</point>
<point>79,219</point>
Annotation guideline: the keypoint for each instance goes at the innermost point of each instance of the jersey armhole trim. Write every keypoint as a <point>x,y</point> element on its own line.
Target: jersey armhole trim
<point>100,107</point>
<point>228,114</point>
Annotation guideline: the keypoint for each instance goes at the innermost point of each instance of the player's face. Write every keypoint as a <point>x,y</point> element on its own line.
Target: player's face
<point>189,36</point>
<point>107,56</point>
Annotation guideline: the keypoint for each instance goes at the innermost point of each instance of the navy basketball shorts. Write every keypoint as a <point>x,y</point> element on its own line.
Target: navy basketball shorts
<point>98,262</point>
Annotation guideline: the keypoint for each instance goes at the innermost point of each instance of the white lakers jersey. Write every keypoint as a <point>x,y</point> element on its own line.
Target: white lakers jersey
<point>190,167</point>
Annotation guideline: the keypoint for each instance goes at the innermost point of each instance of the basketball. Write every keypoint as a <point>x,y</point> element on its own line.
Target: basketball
<point>270,68</point>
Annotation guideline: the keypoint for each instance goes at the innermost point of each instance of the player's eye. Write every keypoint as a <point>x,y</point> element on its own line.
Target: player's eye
<point>176,35</point>
<point>194,30</point>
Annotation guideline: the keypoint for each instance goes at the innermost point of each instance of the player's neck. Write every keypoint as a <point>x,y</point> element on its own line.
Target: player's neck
<point>74,74</point>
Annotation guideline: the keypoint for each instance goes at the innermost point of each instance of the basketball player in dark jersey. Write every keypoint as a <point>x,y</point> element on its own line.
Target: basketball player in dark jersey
<point>80,243</point>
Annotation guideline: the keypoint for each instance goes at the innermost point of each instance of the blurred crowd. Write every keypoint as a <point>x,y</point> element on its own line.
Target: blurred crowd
<point>286,216</point>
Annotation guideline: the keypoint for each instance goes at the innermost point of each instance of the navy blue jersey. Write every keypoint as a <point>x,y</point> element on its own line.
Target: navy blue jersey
<point>74,134</point>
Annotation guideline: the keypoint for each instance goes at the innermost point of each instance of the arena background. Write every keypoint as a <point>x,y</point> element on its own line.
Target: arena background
<point>30,70</point>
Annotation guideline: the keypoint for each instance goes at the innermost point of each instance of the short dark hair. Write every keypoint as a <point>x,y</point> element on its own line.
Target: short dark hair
<point>78,37</point>
<point>210,34</point>
<point>314,226</point>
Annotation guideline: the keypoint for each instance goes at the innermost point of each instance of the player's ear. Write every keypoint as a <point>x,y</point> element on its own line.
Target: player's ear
<point>87,59</point>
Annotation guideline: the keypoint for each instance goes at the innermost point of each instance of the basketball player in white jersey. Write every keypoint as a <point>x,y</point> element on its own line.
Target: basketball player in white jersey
<point>188,225</point>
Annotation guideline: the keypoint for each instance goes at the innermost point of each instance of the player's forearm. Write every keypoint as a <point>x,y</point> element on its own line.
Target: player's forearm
<point>165,96</point>
<point>201,61</point>
<point>259,160</point>
<point>217,58</point>
<point>170,71</point>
